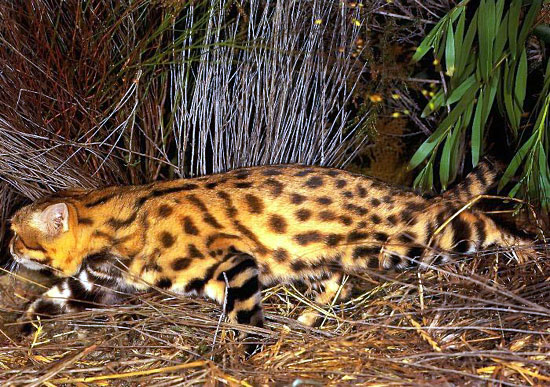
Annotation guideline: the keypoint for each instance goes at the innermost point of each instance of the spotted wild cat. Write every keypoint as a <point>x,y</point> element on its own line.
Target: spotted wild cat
<point>245,228</point>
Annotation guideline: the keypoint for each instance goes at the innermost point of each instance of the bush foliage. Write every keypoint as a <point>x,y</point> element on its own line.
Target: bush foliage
<point>485,62</point>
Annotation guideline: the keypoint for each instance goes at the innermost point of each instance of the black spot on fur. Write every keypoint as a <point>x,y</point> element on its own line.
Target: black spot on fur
<point>375,202</point>
<point>355,236</point>
<point>241,175</point>
<point>407,237</point>
<point>324,200</point>
<point>303,214</point>
<point>120,223</point>
<point>480,175</point>
<point>327,216</point>
<point>164,283</point>
<point>415,252</point>
<point>238,268</point>
<point>387,199</point>
<point>375,219</point>
<point>85,221</point>
<point>276,186</point>
<point>373,263</point>
<point>347,194</point>
<point>480,231</point>
<point>196,285</point>
<point>47,308</point>
<point>246,316</point>
<point>296,198</point>
<point>341,183</point>
<point>197,202</point>
<point>181,263</point>
<point>462,234</point>
<point>166,239</point>
<point>244,184</point>
<point>334,239</point>
<point>304,172</point>
<point>298,265</point>
<point>314,182</point>
<point>193,251</point>
<point>346,220</point>
<point>230,209</point>
<point>101,200</point>
<point>189,227</point>
<point>308,237</point>
<point>408,217</point>
<point>361,191</point>
<point>281,255</point>
<point>209,219</point>
<point>361,211</point>
<point>365,251</point>
<point>211,185</point>
<point>381,236</point>
<point>392,219</point>
<point>277,224</point>
<point>242,293</point>
<point>395,259</point>
<point>164,191</point>
<point>333,173</point>
<point>271,172</point>
<point>220,235</point>
<point>165,210</point>
<point>254,203</point>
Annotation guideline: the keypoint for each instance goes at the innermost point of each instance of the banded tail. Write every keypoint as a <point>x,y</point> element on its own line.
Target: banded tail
<point>482,178</point>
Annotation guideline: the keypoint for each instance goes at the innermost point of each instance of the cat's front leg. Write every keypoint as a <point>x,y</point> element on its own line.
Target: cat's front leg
<point>71,294</point>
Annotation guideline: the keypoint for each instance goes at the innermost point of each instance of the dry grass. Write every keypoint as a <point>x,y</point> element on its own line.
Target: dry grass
<point>484,320</point>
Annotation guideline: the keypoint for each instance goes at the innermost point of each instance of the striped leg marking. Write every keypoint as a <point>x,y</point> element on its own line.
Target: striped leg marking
<point>72,294</point>
<point>238,276</point>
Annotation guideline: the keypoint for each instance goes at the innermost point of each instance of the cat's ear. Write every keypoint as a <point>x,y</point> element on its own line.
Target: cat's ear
<point>54,219</point>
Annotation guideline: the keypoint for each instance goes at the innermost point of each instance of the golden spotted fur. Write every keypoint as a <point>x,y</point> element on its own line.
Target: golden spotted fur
<point>244,228</point>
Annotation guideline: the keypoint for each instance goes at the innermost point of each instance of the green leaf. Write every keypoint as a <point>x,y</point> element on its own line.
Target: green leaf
<point>516,161</point>
<point>466,52</point>
<point>445,162</point>
<point>500,40</point>
<point>434,104</point>
<point>430,40</point>
<point>459,34</point>
<point>544,175</point>
<point>431,142</point>
<point>450,51</point>
<point>457,93</point>
<point>427,147</point>
<point>528,22</point>
<point>521,81</point>
<point>508,96</point>
<point>424,180</point>
<point>513,23</point>
<point>490,97</point>
<point>476,130</point>
<point>486,25</point>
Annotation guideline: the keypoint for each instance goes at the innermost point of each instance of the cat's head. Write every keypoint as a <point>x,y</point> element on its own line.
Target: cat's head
<point>44,236</point>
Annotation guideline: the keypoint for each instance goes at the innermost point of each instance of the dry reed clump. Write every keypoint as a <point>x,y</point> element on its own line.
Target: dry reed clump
<point>483,320</point>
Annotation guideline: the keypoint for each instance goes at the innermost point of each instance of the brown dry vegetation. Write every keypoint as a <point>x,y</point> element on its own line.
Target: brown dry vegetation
<point>486,320</point>
<point>114,92</point>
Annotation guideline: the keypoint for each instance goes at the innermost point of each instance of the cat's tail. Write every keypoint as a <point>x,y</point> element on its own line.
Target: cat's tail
<point>483,177</point>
